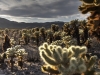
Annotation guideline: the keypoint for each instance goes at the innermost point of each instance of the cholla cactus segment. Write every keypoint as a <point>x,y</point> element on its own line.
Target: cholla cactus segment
<point>57,56</point>
<point>63,34</point>
<point>45,45</point>
<point>58,42</point>
<point>73,68</point>
<point>73,42</point>
<point>49,69</point>
<point>41,48</point>
<point>80,61</point>
<point>49,33</point>
<point>64,70</point>
<point>24,35</point>
<point>44,48</point>
<point>68,40</point>
<point>17,47</point>
<point>12,41</point>
<point>70,52</point>
<point>78,51</point>
<point>51,47</point>
<point>48,60</point>
<point>82,68</point>
<point>81,31</point>
<point>73,60</point>
<point>57,33</point>
<point>21,52</point>
<point>11,52</point>
<point>91,62</point>
<point>58,50</point>
<point>36,33</point>
<point>1,55</point>
<point>24,30</point>
<point>65,58</point>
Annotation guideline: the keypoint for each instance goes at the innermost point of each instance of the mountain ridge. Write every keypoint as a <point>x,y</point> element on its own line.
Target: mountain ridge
<point>5,23</point>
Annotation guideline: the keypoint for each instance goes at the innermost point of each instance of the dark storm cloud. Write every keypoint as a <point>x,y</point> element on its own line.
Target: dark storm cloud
<point>44,10</point>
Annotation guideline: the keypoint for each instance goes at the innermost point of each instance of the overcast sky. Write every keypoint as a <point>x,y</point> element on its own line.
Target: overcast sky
<point>40,10</point>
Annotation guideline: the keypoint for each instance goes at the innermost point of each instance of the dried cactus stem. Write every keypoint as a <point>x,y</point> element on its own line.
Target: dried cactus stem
<point>12,63</point>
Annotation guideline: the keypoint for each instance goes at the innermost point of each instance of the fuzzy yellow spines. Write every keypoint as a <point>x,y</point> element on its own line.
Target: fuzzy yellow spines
<point>63,70</point>
<point>36,34</point>
<point>51,47</point>
<point>81,65</point>
<point>91,62</point>
<point>63,34</point>
<point>73,60</point>
<point>45,48</point>
<point>78,51</point>
<point>42,29</point>
<point>49,69</point>
<point>57,33</point>
<point>64,66</point>
<point>70,52</point>
<point>77,65</point>
<point>72,65</point>
<point>59,50</point>
<point>57,42</point>
<point>68,41</point>
<point>66,38</point>
<point>66,54</point>
<point>49,33</point>
<point>56,56</point>
<point>64,57</point>
<point>76,62</point>
<point>48,60</point>
<point>46,54</point>
<point>72,68</point>
<point>82,68</point>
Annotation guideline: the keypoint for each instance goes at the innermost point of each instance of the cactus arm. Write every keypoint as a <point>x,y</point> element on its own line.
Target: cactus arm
<point>57,57</point>
<point>91,62</point>
<point>48,59</point>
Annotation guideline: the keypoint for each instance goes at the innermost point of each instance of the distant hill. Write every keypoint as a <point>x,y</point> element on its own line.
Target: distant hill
<point>4,23</point>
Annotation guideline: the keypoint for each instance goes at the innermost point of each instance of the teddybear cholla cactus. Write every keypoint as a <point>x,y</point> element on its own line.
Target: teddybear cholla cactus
<point>69,40</point>
<point>65,61</point>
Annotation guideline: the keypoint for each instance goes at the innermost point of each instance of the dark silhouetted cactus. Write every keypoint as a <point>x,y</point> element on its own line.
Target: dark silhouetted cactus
<point>6,44</point>
<point>57,36</point>
<point>54,27</point>
<point>43,33</point>
<point>25,36</point>
<point>36,35</point>
<point>66,28</point>
<point>36,29</point>
<point>49,36</point>
<point>93,24</point>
